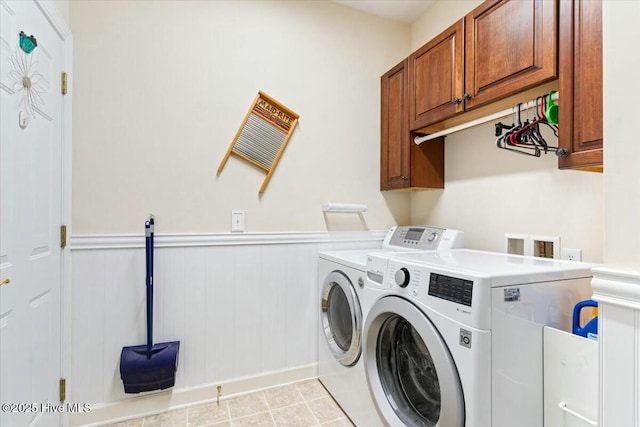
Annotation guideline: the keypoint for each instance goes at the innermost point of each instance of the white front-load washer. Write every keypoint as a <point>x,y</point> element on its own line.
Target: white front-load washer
<point>454,338</point>
<point>343,311</point>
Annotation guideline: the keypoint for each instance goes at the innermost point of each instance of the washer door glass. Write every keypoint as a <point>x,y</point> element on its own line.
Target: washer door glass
<point>408,374</point>
<point>413,377</point>
<point>341,318</point>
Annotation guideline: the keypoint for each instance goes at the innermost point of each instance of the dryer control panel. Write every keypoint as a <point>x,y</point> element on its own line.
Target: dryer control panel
<point>423,237</point>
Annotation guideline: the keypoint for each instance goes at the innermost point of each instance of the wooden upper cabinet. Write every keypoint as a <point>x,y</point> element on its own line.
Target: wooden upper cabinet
<point>395,162</point>
<point>403,164</point>
<point>580,84</point>
<point>499,49</point>
<point>510,46</point>
<point>436,73</point>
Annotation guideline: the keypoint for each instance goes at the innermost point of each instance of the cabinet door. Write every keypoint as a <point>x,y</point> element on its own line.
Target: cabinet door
<point>510,46</point>
<point>436,78</point>
<point>395,162</point>
<point>403,164</point>
<point>580,83</point>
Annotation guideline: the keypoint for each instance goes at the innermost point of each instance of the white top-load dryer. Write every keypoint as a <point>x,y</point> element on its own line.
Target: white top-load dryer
<point>341,278</point>
<point>454,338</point>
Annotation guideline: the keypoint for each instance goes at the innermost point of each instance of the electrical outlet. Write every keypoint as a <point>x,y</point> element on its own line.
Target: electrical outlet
<point>572,254</point>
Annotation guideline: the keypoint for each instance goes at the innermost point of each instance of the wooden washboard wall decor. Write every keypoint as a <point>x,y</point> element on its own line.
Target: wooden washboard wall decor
<point>263,135</point>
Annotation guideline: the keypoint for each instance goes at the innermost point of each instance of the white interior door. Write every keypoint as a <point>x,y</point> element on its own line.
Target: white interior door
<point>30,217</point>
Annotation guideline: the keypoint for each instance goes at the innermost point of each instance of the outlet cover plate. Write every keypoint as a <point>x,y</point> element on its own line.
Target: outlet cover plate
<point>571,254</point>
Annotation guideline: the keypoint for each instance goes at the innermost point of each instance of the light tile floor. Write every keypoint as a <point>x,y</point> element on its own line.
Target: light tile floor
<point>303,404</point>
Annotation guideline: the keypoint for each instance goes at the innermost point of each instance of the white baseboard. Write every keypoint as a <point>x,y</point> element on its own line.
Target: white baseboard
<point>157,402</point>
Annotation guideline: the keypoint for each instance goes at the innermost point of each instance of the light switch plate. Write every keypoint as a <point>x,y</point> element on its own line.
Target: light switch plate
<point>237,221</point>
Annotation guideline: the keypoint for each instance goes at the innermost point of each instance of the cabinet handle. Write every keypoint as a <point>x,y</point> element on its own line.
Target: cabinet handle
<point>4,282</point>
<point>404,178</point>
<point>457,101</point>
<point>466,97</point>
<point>563,406</point>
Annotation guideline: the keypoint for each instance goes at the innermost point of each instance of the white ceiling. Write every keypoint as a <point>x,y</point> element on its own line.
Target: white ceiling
<point>399,10</point>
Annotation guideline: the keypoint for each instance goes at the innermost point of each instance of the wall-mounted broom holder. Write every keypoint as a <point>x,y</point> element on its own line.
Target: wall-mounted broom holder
<point>344,207</point>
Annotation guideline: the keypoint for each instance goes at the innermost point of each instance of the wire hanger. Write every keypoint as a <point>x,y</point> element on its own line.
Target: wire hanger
<point>525,137</point>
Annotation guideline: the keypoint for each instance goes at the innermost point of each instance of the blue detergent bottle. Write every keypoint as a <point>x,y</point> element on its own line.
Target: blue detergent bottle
<point>590,330</point>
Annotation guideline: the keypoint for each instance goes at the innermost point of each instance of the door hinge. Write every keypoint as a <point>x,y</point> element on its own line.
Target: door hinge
<point>63,389</point>
<point>63,236</point>
<point>64,83</point>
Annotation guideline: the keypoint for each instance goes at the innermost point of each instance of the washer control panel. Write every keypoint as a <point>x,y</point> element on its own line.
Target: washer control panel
<point>402,277</point>
<point>451,288</point>
<point>436,285</point>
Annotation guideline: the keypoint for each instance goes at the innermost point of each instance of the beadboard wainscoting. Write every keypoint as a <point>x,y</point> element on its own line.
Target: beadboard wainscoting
<point>618,296</point>
<point>243,306</point>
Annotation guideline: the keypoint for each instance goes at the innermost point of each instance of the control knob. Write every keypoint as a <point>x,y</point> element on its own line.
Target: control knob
<point>432,237</point>
<point>402,277</point>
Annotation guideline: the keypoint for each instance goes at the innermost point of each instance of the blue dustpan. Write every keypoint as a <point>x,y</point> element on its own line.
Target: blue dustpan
<point>590,329</point>
<point>149,367</point>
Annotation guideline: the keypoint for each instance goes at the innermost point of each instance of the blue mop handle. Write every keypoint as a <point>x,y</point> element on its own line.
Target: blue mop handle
<point>149,226</point>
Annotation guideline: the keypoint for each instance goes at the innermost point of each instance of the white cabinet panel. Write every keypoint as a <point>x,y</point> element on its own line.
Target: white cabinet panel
<point>570,380</point>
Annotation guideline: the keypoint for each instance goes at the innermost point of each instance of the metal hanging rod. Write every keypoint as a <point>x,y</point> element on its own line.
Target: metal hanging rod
<point>491,117</point>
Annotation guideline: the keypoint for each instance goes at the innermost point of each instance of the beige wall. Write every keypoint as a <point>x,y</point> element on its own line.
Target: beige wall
<point>622,150</point>
<point>161,87</point>
<point>154,116</point>
<point>489,192</point>
<point>439,16</point>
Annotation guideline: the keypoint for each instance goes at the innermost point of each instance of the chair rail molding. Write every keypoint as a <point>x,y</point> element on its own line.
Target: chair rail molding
<point>128,241</point>
<point>617,287</point>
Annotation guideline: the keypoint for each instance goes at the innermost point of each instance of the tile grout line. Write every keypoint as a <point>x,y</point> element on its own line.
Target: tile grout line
<point>231,419</point>
<point>312,413</point>
<point>306,402</point>
<point>263,395</point>
<point>282,407</point>
<point>273,419</point>
<point>330,397</point>
<point>229,414</point>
